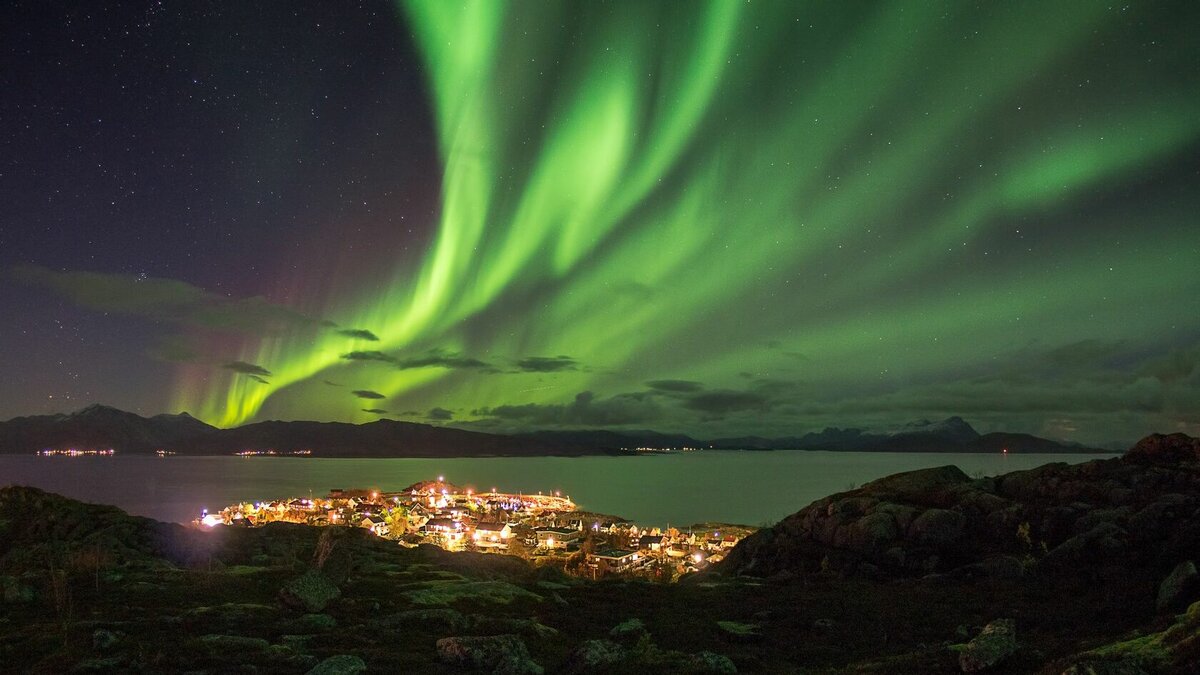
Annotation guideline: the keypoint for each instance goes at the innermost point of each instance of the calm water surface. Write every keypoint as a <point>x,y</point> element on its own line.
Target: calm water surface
<point>726,486</point>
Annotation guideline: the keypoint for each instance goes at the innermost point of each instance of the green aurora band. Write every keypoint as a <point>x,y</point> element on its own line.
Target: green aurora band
<point>809,208</point>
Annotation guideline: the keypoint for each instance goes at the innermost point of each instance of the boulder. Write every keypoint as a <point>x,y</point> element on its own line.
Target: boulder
<point>996,642</point>
<point>1097,543</point>
<point>937,527</point>
<point>233,645</point>
<point>924,486</point>
<point>309,624</point>
<point>709,662</point>
<point>594,655</point>
<point>500,654</point>
<point>507,624</point>
<point>1098,667</point>
<point>342,664</point>
<point>1180,586</point>
<point>1165,449</point>
<point>871,533</point>
<point>104,639</point>
<point>440,618</point>
<point>332,555</point>
<point>996,567</point>
<point>629,632</point>
<point>310,592</point>
<point>740,632</point>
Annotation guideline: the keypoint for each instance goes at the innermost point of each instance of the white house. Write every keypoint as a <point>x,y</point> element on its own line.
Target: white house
<point>491,535</point>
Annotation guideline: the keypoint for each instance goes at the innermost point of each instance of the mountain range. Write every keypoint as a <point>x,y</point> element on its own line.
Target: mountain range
<point>103,427</point>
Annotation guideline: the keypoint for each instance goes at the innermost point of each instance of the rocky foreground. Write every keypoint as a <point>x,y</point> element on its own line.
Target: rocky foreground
<point>1076,569</point>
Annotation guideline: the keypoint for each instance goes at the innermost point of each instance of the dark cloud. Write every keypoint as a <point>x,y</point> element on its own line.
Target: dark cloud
<point>332,384</point>
<point>585,410</point>
<point>725,401</point>
<point>441,359</point>
<point>368,356</point>
<point>547,364</point>
<point>375,411</point>
<point>247,368</point>
<point>367,393</point>
<point>162,299</point>
<point>675,386</point>
<point>358,334</point>
<point>434,359</point>
<point>440,414</point>
<point>258,379</point>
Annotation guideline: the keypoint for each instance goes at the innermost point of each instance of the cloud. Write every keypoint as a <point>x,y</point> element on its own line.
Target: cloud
<point>258,379</point>
<point>584,410</point>
<point>332,384</point>
<point>358,334</point>
<point>440,414</point>
<point>368,356</point>
<point>725,401</point>
<point>441,359</point>
<point>367,393</point>
<point>162,299</point>
<point>247,368</point>
<point>547,364</point>
<point>434,359</point>
<point>375,411</point>
<point>675,386</point>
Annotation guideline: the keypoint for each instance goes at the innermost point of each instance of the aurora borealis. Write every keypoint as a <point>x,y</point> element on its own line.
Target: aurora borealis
<point>717,218</point>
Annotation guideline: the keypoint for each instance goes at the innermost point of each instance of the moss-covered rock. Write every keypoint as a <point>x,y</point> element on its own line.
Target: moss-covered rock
<point>499,654</point>
<point>310,592</point>
<point>494,592</point>
<point>343,664</point>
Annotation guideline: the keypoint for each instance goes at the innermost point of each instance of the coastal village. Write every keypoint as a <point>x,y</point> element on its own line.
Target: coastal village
<point>544,528</point>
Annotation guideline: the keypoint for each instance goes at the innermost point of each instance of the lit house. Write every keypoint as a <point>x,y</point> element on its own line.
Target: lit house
<point>556,537</point>
<point>447,527</point>
<point>613,560</point>
<point>375,524</point>
<point>650,542</point>
<point>491,535</point>
<point>441,525</point>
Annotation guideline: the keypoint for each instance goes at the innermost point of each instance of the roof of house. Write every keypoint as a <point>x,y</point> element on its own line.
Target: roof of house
<point>557,530</point>
<point>650,539</point>
<point>613,553</point>
<point>491,527</point>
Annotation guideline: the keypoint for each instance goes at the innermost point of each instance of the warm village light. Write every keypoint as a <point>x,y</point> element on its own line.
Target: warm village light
<point>485,524</point>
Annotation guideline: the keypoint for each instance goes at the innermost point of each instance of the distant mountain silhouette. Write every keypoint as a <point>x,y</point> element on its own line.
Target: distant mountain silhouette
<point>952,434</point>
<point>102,427</point>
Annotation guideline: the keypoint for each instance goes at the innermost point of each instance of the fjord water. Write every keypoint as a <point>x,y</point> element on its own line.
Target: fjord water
<point>751,488</point>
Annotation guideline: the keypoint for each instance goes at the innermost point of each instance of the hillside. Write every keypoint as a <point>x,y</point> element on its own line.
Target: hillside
<point>909,574</point>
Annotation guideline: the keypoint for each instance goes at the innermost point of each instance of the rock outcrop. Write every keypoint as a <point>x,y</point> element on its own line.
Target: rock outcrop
<point>310,592</point>
<point>502,654</point>
<point>1180,587</point>
<point>1141,511</point>
<point>995,643</point>
<point>1165,449</point>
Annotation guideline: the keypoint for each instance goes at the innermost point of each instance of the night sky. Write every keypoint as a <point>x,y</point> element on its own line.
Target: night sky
<point>716,218</point>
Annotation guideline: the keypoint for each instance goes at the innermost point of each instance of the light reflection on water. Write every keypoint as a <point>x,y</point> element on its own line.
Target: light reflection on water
<point>723,486</point>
